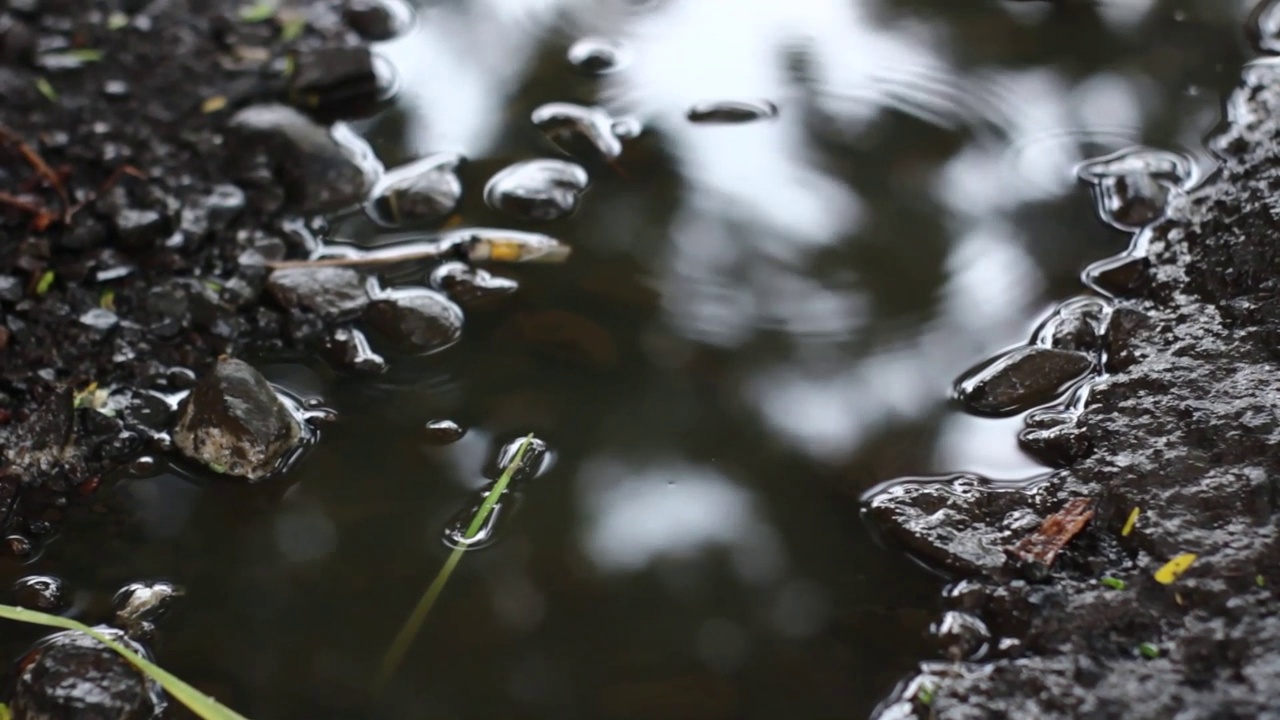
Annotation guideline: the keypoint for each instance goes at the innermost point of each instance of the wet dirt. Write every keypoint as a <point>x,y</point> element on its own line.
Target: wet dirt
<point>1179,430</point>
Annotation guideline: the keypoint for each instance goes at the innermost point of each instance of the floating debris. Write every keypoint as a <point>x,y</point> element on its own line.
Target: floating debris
<point>472,244</point>
<point>1130,522</point>
<point>1041,547</point>
<point>595,56</point>
<point>731,112</point>
<point>539,190</point>
<point>1174,569</point>
<point>579,130</point>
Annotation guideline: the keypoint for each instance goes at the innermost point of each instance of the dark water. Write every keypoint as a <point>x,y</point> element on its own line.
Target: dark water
<point>762,318</point>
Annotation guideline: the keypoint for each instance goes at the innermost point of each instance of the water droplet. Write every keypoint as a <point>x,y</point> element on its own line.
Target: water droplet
<point>540,190</point>
<point>581,131</point>
<point>595,56</point>
<point>1132,187</point>
<point>732,112</point>
<point>424,191</point>
<point>443,432</point>
<point>40,592</point>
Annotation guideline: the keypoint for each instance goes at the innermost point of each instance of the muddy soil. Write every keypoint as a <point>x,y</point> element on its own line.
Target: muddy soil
<point>135,221</point>
<point>1177,426</point>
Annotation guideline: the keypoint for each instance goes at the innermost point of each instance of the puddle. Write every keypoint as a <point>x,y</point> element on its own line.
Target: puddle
<point>761,319</point>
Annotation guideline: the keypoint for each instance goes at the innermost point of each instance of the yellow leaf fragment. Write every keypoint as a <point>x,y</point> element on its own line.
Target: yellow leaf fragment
<point>213,104</point>
<point>1173,569</point>
<point>1128,524</point>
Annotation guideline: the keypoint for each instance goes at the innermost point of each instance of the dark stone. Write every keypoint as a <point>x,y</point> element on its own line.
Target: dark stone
<point>71,675</point>
<point>443,432</point>
<point>1119,276</point>
<point>333,293</point>
<point>234,423</point>
<point>348,349</point>
<point>45,444</point>
<point>472,288</point>
<point>40,592</point>
<point>416,320</point>
<point>317,172</point>
<point>1021,379</point>
<point>376,20</point>
<point>423,191</point>
<point>1056,443</point>
<point>1075,325</point>
<point>11,289</point>
<point>18,41</point>
<point>140,229</point>
<point>340,81</point>
<point>223,205</point>
<point>537,190</point>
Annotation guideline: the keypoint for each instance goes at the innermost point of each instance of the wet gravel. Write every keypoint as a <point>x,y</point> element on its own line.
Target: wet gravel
<point>1178,424</point>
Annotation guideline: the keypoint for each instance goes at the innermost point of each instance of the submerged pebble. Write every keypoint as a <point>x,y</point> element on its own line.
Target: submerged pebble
<point>234,423</point>
<point>472,288</point>
<point>348,349</point>
<point>1054,438</point>
<point>443,432</point>
<point>584,132</point>
<point>1117,276</point>
<point>1020,380</point>
<point>416,320</point>
<point>540,190</point>
<point>1132,187</point>
<point>595,56</point>
<point>1075,325</point>
<point>425,191</point>
<point>731,112</point>
<point>71,675</point>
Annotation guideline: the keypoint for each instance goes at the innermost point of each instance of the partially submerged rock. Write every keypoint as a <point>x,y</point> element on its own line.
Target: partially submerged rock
<point>317,171</point>
<point>424,191</point>
<point>234,423</point>
<point>416,320</point>
<point>1021,379</point>
<point>333,293</point>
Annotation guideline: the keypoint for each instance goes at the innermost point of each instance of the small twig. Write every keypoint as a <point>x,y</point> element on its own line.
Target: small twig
<point>41,167</point>
<point>358,261</point>
<point>22,204</point>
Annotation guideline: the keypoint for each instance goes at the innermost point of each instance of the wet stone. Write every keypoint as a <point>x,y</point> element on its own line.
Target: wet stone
<point>1132,188</point>
<point>595,56</point>
<point>1123,331</point>
<point>234,423</point>
<point>116,89</point>
<point>71,675</point>
<point>962,636</point>
<point>17,41</point>
<point>424,191</point>
<point>1075,325</point>
<point>139,229</point>
<point>99,319</point>
<point>538,190</point>
<point>472,288</point>
<point>318,173</point>
<point>40,592</point>
<point>1119,276</point>
<point>416,320</point>
<point>223,204</point>
<point>336,77</point>
<point>1054,438</point>
<point>333,293</point>
<point>348,349</point>
<point>731,112</point>
<point>377,20</point>
<point>11,289</point>
<point>443,432</point>
<point>1020,380</point>
<point>583,132</point>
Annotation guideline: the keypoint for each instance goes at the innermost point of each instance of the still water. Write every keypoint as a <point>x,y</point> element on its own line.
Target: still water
<point>818,214</point>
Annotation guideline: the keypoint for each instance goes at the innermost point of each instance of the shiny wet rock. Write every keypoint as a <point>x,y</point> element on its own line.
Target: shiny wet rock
<point>1021,379</point>
<point>415,320</point>
<point>472,288</point>
<point>235,424</point>
<point>443,432</point>
<point>333,293</point>
<point>539,190</point>
<point>423,191</point>
<point>583,132</point>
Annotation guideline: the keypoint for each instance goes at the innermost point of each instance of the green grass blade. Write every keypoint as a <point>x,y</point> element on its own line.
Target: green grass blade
<point>404,639</point>
<point>199,703</point>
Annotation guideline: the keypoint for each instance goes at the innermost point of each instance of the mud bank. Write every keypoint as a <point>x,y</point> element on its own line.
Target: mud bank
<point>1178,425</point>
<point>137,214</point>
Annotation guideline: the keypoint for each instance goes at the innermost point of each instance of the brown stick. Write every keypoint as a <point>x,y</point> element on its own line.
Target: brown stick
<point>360,261</point>
<point>41,167</point>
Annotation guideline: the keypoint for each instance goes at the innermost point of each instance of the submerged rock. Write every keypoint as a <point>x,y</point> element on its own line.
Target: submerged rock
<point>317,171</point>
<point>333,293</point>
<point>1021,379</point>
<point>348,349</point>
<point>234,423</point>
<point>443,432</point>
<point>416,320</point>
<point>425,190</point>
